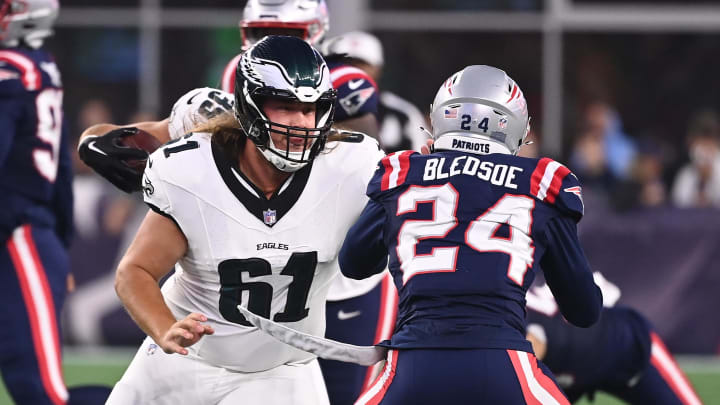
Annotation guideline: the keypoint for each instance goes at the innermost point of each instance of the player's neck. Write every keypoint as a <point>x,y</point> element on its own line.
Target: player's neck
<point>260,172</point>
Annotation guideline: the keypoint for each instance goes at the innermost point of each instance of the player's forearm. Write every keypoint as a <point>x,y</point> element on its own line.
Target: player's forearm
<point>158,129</point>
<point>97,130</point>
<point>141,296</point>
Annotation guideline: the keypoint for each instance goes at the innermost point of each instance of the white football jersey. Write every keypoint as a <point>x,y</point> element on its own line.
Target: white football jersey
<point>276,257</point>
<point>195,108</point>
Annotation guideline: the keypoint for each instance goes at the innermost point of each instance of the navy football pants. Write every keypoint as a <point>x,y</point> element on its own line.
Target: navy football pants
<point>661,383</point>
<point>33,272</point>
<point>467,376</point>
<point>363,320</point>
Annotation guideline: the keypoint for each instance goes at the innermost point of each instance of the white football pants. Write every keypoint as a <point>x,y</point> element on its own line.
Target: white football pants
<point>155,377</point>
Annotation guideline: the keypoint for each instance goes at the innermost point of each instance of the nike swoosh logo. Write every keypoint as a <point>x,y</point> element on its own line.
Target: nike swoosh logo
<point>344,316</point>
<point>92,147</point>
<point>355,84</point>
<point>192,97</point>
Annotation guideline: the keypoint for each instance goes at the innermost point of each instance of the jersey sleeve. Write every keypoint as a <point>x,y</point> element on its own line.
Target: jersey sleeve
<point>14,83</point>
<point>363,252</point>
<point>197,107</point>
<point>555,184</point>
<point>374,153</point>
<point>568,274</point>
<point>154,187</point>
<point>10,112</point>
<point>391,172</point>
<point>18,73</point>
<point>357,93</point>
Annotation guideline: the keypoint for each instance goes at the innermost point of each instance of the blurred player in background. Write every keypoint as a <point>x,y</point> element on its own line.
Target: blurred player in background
<point>466,228</point>
<point>253,212</point>
<point>400,121</point>
<point>621,354</point>
<point>309,20</point>
<point>358,312</point>
<point>37,205</point>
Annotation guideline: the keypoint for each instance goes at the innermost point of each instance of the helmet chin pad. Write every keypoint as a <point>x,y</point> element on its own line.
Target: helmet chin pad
<point>286,160</point>
<point>281,163</point>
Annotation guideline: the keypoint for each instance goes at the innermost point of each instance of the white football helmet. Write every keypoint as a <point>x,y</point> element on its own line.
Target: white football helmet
<point>29,21</point>
<point>305,19</point>
<point>480,104</point>
<point>356,44</point>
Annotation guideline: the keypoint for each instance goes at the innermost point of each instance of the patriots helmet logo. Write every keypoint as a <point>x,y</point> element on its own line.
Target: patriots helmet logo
<point>577,190</point>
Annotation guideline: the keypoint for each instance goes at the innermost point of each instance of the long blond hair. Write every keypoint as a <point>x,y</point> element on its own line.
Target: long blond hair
<point>225,129</point>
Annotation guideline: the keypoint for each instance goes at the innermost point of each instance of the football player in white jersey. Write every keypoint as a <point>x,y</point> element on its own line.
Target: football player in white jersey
<point>359,311</point>
<point>253,211</point>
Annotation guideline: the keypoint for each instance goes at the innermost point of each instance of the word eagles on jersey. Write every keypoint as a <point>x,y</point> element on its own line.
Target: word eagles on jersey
<point>271,251</point>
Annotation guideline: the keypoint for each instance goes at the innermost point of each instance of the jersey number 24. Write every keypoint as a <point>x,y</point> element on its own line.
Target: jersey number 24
<point>513,210</point>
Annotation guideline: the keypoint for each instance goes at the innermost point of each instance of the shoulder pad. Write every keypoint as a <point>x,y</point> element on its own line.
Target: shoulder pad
<point>390,173</point>
<point>355,152</point>
<point>18,73</point>
<point>557,185</point>
<point>357,93</point>
<point>347,136</point>
<point>197,107</point>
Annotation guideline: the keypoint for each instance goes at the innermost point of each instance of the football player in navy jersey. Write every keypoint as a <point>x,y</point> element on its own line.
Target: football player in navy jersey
<point>621,354</point>
<point>37,205</point>
<point>466,228</point>
<point>36,201</point>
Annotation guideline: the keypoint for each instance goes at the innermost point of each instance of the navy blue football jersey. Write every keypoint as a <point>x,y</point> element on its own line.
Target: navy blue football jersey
<point>465,235</point>
<point>35,165</point>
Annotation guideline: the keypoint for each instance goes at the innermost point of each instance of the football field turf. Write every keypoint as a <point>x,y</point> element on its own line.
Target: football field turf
<point>106,367</point>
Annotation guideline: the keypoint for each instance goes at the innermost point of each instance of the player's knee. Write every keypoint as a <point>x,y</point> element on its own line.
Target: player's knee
<point>124,394</point>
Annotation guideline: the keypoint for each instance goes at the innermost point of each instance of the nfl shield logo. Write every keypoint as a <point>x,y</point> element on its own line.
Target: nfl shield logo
<point>502,124</point>
<point>270,217</point>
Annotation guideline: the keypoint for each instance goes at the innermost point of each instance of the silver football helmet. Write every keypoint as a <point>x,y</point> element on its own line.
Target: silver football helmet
<point>305,19</point>
<point>478,106</point>
<point>29,21</point>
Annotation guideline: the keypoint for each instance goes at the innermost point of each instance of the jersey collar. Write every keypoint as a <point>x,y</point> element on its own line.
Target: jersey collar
<point>269,211</point>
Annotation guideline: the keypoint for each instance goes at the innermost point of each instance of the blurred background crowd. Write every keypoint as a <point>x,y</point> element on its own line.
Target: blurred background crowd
<point>625,96</point>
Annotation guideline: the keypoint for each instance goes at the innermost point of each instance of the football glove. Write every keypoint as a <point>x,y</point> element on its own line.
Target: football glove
<point>107,156</point>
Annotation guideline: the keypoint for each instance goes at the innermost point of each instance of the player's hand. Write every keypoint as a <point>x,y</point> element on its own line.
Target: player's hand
<point>106,155</point>
<point>425,149</point>
<point>184,333</point>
